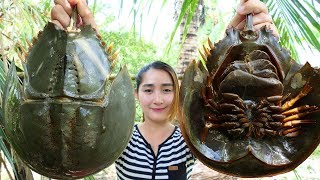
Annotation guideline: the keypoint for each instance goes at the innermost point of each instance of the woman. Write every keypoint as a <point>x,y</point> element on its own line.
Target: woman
<point>157,149</point>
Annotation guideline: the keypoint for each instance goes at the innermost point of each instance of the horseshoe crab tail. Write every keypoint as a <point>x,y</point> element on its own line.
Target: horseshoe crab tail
<point>73,21</point>
<point>248,32</point>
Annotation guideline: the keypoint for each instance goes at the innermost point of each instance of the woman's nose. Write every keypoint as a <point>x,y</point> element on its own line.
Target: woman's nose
<point>158,98</point>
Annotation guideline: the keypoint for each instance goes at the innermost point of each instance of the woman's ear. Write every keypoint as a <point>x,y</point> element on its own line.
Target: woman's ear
<point>136,95</point>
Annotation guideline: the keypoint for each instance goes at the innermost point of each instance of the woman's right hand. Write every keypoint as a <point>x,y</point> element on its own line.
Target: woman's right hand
<point>61,13</point>
<point>261,16</point>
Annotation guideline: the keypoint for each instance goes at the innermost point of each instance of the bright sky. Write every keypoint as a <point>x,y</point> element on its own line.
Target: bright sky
<point>165,22</point>
<point>164,16</point>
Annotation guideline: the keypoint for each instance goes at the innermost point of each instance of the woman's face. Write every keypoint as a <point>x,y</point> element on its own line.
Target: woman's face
<point>155,95</point>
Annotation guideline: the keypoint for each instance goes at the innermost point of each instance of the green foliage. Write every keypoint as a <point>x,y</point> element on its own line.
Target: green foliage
<point>2,76</point>
<point>297,22</point>
<point>102,12</point>
<point>316,153</point>
<point>3,138</point>
<point>135,52</point>
<point>21,21</point>
<point>216,22</point>
<point>89,178</point>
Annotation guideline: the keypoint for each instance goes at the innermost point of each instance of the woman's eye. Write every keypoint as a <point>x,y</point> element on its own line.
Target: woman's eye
<point>167,90</point>
<point>147,90</point>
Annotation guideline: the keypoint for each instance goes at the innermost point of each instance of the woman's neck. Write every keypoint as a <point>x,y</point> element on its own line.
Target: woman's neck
<point>156,126</point>
<point>155,133</point>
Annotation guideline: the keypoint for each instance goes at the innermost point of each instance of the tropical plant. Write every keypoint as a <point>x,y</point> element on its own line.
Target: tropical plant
<point>298,23</point>
<point>19,20</point>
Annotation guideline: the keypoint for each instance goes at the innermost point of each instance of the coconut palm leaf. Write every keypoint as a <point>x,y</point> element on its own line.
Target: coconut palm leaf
<point>188,9</point>
<point>5,151</point>
<point>2,76</point>
<point>20,20</point>
<point>3,137</point>
<point>139,10</point>
<point>297,22</point>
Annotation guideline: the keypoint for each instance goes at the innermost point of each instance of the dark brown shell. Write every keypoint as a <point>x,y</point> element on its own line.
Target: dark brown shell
<point>255,68</point>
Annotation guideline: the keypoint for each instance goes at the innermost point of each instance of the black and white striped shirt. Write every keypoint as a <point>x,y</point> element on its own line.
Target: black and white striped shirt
<point>173,161</point>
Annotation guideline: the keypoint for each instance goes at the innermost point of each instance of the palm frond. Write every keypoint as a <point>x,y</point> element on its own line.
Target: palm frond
<point>3,137</point>
<point>297,24</point>
<point>94,7</point>
<point>188,9</point>
<point>2,76</point>
<point>21,20</point>
<point>5,151</point>
<point>156,21</point>
<point>318,1</point>
<point>140,10</point>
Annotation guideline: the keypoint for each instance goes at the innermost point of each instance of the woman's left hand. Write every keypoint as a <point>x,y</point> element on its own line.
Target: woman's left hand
<point>261,17</point>
<point>62,10</point>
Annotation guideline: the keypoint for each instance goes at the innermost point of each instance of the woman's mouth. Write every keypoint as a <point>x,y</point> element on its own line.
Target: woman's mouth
<point>157,109</point>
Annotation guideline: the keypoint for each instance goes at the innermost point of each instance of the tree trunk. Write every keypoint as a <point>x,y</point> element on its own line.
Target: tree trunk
<point>190,45</point>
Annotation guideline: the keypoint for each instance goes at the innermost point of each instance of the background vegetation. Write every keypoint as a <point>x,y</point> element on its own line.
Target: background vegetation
<point>20,21</point>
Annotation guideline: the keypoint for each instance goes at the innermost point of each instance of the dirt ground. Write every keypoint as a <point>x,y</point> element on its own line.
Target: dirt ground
<point>310,170</point>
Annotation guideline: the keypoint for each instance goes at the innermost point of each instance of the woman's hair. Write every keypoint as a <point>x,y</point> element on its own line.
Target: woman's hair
<point>165,67</point>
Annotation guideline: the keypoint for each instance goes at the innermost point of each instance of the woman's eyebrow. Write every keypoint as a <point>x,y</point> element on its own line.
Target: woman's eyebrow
<point>151,85</point>
<point>167,84</point>
<point>147,85</point>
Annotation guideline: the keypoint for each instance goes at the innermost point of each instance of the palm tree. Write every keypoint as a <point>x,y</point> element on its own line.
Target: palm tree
<point>189,39</point>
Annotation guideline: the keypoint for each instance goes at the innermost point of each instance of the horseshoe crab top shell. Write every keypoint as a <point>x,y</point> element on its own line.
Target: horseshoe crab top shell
<point>68,120</point>
<point>67,64</point>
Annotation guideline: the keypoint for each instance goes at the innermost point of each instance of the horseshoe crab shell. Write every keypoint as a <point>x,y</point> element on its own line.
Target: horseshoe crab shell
<point>223,117</point>
<point>68,120</point>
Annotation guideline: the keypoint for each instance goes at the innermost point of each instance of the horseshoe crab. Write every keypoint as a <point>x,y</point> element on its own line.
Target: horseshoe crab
<point>250,110</point>
<point>68,120</point>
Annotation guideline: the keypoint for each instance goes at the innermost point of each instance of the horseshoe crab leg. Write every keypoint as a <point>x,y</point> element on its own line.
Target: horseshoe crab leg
<point>300,109</point>
<point>306,89</point>
<point>300,115</point>
<point>207,92</point>
<point>291,132</point>
<point>298,122</point>
<point>205,130</point>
